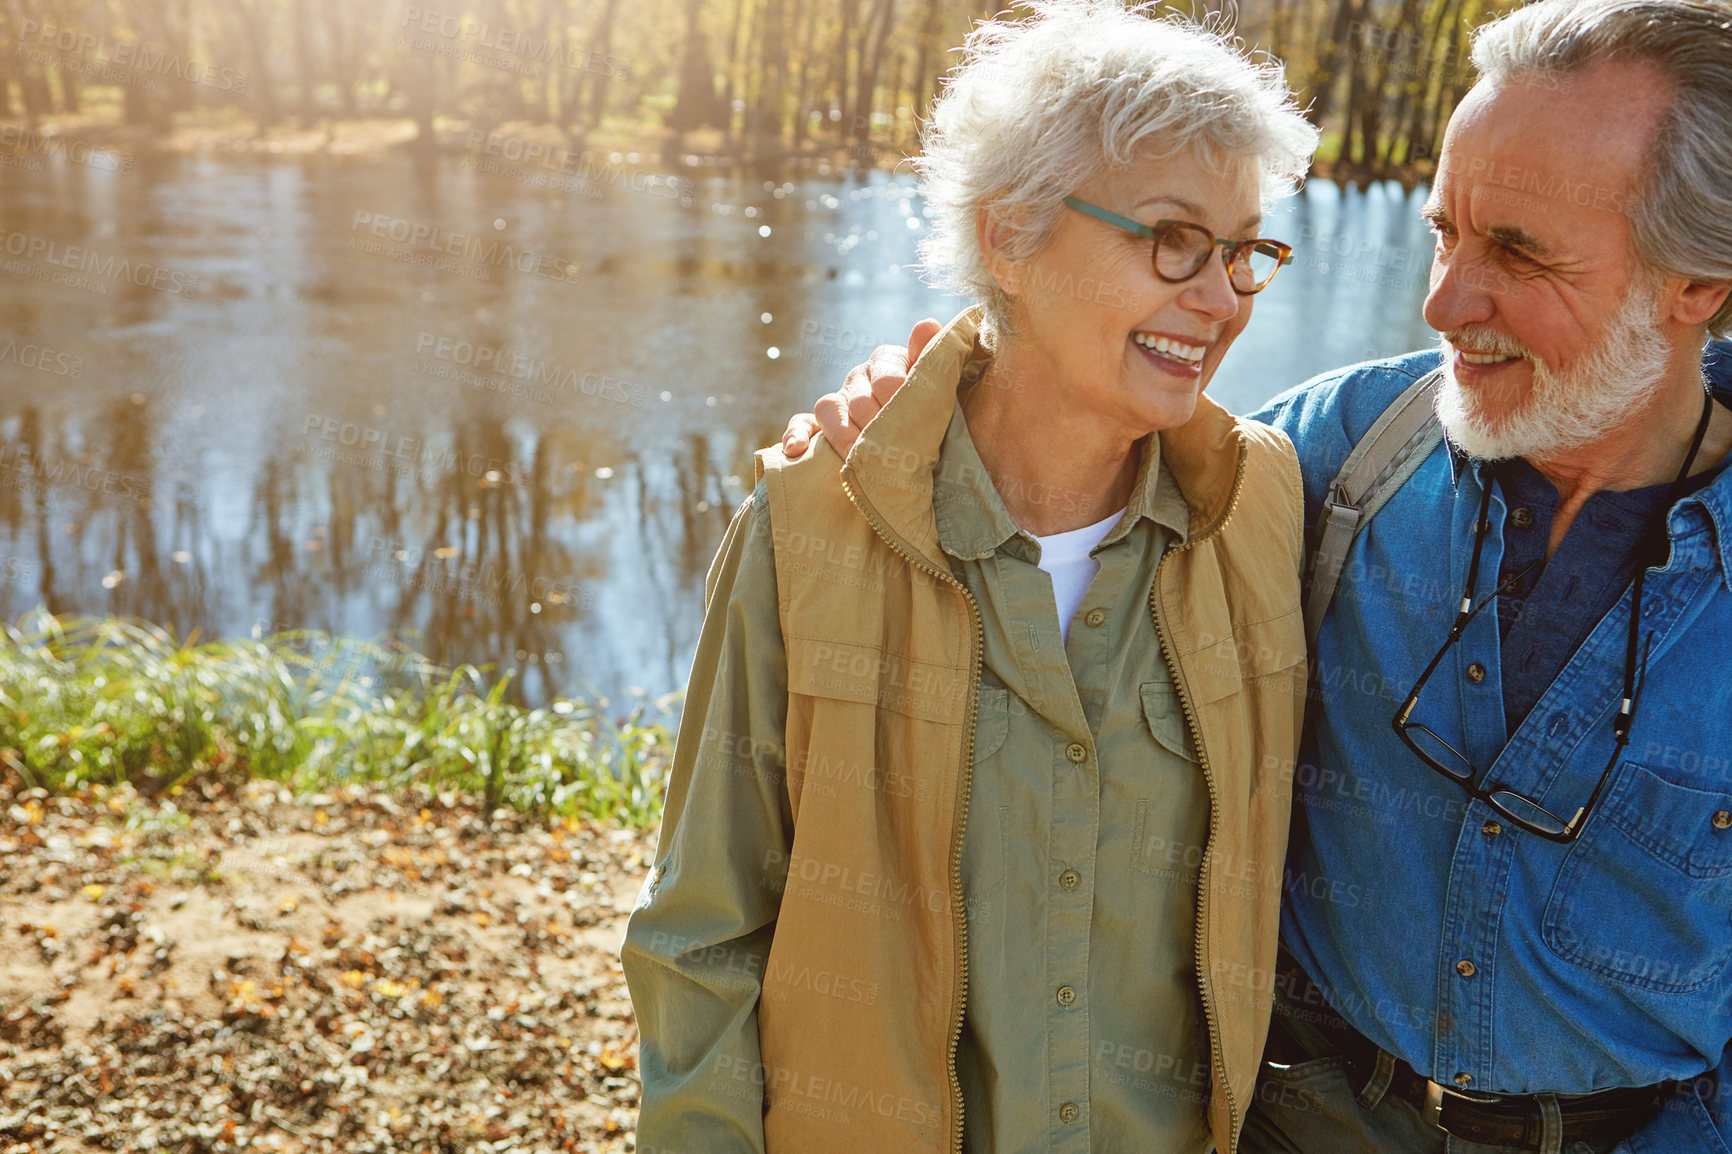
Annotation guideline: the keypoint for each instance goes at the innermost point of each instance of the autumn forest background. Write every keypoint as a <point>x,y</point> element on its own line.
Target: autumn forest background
<point>750,81</point>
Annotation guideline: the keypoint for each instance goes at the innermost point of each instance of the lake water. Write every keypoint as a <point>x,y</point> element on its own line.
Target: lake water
<point>505,414</point>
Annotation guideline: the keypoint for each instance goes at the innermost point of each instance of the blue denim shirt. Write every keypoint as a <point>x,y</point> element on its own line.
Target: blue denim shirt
<point>1484,956</point>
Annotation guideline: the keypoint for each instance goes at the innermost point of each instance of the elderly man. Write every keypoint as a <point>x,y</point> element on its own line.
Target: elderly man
<point>1509,890</point>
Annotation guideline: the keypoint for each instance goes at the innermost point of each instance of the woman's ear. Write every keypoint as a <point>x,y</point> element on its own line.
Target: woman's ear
<point>994,237</point>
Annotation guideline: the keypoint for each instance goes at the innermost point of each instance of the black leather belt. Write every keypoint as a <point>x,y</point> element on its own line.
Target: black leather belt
<point>1490,1119</point>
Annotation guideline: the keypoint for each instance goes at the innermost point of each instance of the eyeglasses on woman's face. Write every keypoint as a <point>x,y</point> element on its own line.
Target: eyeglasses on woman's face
<point>1183,248</point>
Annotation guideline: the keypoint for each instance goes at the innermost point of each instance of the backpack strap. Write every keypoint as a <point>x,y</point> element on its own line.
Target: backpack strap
<point>1390,452</point>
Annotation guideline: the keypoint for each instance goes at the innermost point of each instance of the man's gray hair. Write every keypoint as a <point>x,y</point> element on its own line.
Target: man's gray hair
<point>1681,217</point>
<point>1039,106</point>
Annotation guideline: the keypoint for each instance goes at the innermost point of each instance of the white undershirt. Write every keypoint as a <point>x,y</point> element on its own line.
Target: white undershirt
<point>1065,557</point>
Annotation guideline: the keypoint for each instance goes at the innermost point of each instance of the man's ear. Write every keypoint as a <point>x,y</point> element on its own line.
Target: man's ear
<point>1694,302</point>
<point>994,237</point>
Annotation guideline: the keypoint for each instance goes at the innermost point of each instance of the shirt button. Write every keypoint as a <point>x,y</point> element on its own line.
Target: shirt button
<point>1066,996</point>
<point>1491,829</point>
<point>1521,516</point>
<point>1476,673</point>
<point>1463,1079</point>
<point>1096,616</point>
<point>1068,1112</point>
<point>1069,880</point>
<point>1076,752</point>
<point>1465,968</point>
<point>1722,820</point>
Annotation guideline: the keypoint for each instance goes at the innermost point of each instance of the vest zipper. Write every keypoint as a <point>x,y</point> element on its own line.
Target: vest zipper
<point>1217,1058</point>
<point>960,822</point>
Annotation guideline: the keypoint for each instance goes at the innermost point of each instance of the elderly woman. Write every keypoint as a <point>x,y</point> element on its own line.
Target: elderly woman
<point>980,798</point>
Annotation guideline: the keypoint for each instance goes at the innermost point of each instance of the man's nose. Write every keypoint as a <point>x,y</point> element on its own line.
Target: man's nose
<point>1462,293</point>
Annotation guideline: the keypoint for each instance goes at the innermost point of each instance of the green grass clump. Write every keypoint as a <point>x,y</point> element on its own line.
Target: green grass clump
<point>87,701</point>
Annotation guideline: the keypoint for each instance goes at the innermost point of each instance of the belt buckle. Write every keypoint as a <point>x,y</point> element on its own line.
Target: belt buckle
<point>1432,1111</point>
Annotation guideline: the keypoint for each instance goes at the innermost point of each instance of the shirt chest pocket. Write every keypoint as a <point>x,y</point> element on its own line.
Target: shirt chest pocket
<point>1645,895</point>
<point>1156,850</point>
<point>1165,718</point>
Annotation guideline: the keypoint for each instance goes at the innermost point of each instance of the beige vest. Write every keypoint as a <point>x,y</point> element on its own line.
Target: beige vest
<point>867,975</point>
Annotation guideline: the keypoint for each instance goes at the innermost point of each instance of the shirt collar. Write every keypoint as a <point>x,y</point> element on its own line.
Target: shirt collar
<point>973,521</point>
<point>1715,499</point>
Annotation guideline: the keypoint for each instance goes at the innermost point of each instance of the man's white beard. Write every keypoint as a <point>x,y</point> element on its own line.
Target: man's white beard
<point>1565,408</point>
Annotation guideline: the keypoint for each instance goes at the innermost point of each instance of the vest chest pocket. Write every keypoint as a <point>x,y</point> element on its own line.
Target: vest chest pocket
<point>1644,897</point>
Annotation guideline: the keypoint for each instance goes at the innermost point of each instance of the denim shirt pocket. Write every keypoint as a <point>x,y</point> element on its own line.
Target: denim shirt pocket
<point>1644,897</point>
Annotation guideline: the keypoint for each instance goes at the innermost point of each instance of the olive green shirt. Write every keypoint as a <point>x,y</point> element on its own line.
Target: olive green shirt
<point>1086,819</point>
<point>1083,1027</point>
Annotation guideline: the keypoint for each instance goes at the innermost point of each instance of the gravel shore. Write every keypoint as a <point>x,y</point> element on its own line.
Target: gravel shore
<point>234,968</point>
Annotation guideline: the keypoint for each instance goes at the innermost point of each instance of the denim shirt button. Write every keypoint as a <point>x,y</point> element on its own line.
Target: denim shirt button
<point>1722,820</point>
<point>1463,1079</point>
<point>1465,968</point>
<point>1476,673</point>
<point>1491,829</point>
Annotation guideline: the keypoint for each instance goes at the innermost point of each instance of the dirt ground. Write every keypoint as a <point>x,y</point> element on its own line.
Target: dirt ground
<point>356,972</point>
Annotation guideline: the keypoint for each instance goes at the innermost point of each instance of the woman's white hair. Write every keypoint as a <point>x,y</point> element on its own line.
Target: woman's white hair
<point>1039,106</point>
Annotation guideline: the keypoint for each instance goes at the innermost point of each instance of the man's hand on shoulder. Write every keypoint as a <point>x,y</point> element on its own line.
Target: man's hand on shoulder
<point>867,388</point>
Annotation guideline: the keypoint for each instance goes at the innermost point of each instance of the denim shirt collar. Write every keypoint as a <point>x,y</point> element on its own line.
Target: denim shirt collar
<point>1715,501</point>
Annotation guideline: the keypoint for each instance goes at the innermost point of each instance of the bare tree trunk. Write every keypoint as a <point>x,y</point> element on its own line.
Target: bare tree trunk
<point>772,71</point>
<point>732,70</point>
<point>342,52</point>
<point>550,12</point>
<point>253,20</point>
<point>1446,94</point>
<point>1324,77</point>
<point>861,123</point>
<point>303,62</point>
<point>696,105</point>
<point>923,78</point>
<point>803,100</point>
<point>602,44</point>
<point>68,89</point>
<point>423,91</point>
<point>844,50</point>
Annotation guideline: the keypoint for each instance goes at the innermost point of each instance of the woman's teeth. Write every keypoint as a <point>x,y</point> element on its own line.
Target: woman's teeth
<point>1190,354</point>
